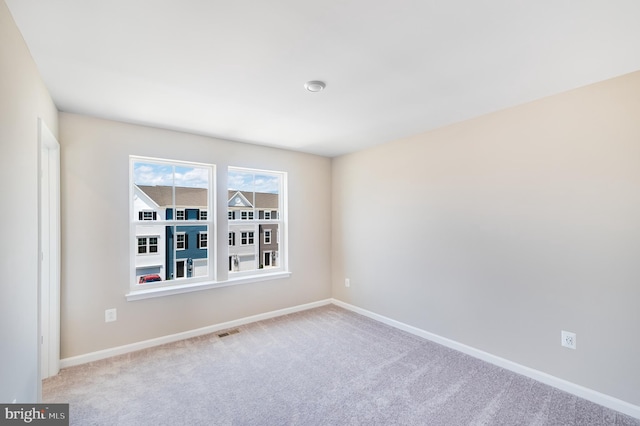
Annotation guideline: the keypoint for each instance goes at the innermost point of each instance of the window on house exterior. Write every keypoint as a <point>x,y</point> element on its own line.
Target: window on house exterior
<point>258,198</point>
<point>246,238</point>
<point>142,245</point>
<point>181,241</point>
<point>170,200</point>
<point>232,238</point>
<point>202,240</point>
<point>147,215</point>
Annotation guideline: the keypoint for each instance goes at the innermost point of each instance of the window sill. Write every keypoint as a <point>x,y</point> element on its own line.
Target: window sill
<point>188,288</point>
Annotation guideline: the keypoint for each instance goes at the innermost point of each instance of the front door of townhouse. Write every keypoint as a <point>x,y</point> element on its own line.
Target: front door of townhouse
<point>180,268</point>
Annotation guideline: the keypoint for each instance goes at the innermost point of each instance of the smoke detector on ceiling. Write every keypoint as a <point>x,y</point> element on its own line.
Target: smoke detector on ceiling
<point>315,86</point>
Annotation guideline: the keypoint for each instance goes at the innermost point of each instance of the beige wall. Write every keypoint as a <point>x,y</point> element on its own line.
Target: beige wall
<point>23,98</point>
<point>95,227</point>
<point>502,231</point>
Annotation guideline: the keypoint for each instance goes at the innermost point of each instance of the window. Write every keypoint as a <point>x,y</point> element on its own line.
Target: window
<point>257,197</point>
<point>147,215</point>
<point>246,238</point>
<point>165,195</point>
<point>142,245</point>
<point>202,240</point>
<point>172,216</point>
<point>181,241</point>
<point>147,245</point>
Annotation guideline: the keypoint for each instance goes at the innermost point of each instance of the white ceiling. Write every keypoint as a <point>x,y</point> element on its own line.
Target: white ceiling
<point>236,69</point>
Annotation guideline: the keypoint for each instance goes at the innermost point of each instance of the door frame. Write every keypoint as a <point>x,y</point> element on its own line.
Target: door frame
<point>49,251</point>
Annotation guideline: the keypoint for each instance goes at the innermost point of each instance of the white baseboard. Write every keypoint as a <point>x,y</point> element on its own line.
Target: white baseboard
<point>564,385</point>
<point>120,350</point>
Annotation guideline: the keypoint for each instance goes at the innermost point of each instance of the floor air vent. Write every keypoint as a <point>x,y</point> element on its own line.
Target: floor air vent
<point>229,332</point>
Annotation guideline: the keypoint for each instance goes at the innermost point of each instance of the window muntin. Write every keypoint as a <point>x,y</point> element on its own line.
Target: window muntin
<point>246,238</point>
<point>179,196</point>
<point>147,215</point>
<point>181,241</point>
<point>178,225</point>
<point>202,240</point>
<point>142,245</point>
<point>255,211</point>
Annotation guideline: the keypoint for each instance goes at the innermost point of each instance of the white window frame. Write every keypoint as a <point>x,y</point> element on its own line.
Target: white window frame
<point>267,236</point>
<point>204,234</point>
<point>147,245</point>
<point>184,241</point>
<point>250,236</point>
<point>218,274</point>
<point>147,215</point>
<point>203,214</point>
<point>167,287</point>
<point>268,217</point>
<point>182,213</point>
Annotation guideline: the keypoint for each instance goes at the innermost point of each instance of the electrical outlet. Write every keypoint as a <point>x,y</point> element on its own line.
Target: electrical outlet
<point>568,339</point>
<point>110,315</point>
<point>347,282</point>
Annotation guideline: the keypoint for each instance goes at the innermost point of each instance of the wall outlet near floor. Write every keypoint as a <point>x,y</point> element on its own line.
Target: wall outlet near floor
<point>110,315</point>
<point>347,282</point>
<point>568,339</point>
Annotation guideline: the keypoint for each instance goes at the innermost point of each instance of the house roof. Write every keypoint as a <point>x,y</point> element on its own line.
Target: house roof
<point>185,197</point>
<point>263,200</point>
<point>197,197</point>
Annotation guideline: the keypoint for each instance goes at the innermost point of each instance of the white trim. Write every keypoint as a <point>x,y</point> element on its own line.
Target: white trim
<point>556,382</point>
<point>120,350</point>
<point>48,254</point>
<point>184,240</point>
<point>190,286</point>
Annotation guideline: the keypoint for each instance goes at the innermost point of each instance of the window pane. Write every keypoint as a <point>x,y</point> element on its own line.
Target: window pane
<point>253,206</point>
<point>165,192</point>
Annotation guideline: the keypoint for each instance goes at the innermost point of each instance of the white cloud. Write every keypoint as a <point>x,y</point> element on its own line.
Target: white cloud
<point>247,181</point>
<point>161,174</point>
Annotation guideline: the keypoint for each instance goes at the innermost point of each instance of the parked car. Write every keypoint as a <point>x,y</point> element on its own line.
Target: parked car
<point>149,278</point>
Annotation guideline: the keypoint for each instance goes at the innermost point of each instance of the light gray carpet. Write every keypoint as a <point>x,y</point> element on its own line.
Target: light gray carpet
<point>325,366</point>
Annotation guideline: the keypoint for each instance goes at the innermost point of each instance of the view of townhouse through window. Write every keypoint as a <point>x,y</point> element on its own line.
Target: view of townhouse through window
<point>173,219</point>
<point>169,224</point>
<point>255,206</point>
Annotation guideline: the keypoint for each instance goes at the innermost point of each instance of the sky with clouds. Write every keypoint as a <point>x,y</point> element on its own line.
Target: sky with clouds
<point>168,175</point>
<point>154,174</point>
